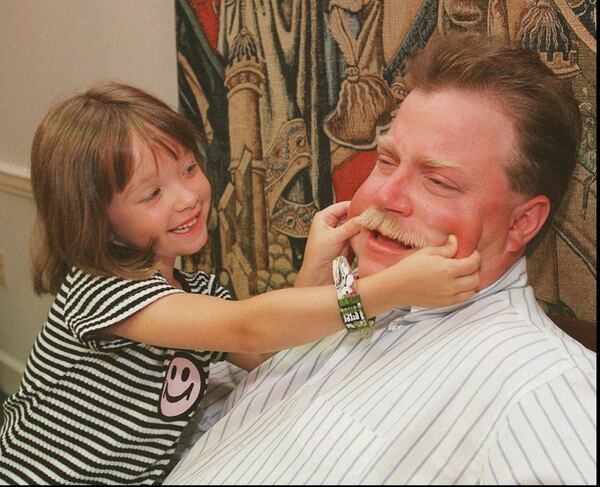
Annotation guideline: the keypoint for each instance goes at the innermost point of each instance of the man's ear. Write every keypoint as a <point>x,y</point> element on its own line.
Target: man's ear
<point>528,218</point>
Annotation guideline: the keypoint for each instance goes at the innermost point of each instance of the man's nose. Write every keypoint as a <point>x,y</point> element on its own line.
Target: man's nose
<point>394,193</point>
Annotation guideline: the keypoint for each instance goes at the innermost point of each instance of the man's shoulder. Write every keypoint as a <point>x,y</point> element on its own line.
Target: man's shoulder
<point>518,313</point>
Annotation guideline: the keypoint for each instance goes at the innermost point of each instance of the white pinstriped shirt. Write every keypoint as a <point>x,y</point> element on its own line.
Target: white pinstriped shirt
<point>486,392</point>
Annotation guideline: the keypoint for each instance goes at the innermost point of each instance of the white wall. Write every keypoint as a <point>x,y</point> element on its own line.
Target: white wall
<point>49,49</point>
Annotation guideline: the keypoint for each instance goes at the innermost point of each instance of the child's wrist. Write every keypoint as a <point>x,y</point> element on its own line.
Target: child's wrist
<point>380,294</point>
<point>312,276</point>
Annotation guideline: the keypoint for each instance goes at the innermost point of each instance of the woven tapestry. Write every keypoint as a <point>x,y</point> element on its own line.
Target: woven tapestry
<point>292,95</point>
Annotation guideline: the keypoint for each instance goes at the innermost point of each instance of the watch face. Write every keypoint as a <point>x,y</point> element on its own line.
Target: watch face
<point>344,278</point>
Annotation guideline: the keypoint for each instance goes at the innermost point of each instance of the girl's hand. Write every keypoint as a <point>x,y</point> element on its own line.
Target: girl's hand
<point>431,277</point>
<point>328,237</point>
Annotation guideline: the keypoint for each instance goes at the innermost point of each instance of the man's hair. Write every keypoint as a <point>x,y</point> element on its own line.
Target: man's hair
<point>542,107</point>
<point>81,155</point>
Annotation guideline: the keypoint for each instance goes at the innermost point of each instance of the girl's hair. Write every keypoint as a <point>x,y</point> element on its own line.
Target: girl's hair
<point>81,156</point>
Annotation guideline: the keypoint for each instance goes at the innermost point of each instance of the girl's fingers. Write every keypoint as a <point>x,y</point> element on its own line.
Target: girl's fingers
<point>448,249</point>
<point>337,209</point>
<point>451,246</point>
<point>335,212</point>
<point>468,265</point>
<point>467,283</point>
<point>459,297</point>
<point>348,229</point>
<point>340,204</point>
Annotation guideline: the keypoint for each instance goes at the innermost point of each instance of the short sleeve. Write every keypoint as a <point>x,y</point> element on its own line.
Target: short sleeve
<point>202,283</point>
<point>93,303</point>
<point>217,290</point>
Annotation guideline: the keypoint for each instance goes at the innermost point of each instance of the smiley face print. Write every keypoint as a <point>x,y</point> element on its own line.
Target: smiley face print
<point>182,388</point>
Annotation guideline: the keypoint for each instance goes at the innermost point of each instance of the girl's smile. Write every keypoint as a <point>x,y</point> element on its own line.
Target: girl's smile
<point>165,202</point>
<point>188,228</point>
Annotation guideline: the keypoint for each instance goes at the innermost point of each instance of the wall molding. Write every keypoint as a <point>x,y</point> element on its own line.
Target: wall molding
<point>15,180</point>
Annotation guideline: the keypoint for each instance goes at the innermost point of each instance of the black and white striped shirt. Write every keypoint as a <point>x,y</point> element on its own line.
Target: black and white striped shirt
<point>486,392</point>
<point>102,410</point>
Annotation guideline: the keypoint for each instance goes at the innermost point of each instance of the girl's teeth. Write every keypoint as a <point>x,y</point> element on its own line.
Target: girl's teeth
<point>185,228</point>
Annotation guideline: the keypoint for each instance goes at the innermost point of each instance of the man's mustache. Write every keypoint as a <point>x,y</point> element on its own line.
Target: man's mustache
<point>374,219</point>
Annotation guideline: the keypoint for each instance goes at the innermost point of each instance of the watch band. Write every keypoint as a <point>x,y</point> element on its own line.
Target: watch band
<point>351,309</point>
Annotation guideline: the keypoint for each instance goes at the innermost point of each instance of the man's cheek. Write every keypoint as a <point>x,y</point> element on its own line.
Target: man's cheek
<point>467,244</point>
<point>360,201</point>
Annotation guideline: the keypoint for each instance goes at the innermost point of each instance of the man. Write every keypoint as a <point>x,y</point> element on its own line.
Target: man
<point>486,391</point>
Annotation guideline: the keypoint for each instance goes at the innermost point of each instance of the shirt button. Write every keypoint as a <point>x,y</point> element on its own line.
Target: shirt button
<point>395,324</point>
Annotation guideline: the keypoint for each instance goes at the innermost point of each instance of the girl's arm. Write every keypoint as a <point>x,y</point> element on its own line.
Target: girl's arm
<point>290,317</point>
<point>264,323</point>
<point>247,360</point>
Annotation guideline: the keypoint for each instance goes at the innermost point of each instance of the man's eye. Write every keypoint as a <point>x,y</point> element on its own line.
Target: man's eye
<point>385,164</point>
<point>438,183</point>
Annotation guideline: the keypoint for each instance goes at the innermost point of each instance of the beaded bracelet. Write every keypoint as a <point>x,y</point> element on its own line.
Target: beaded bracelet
<point>351,309</point>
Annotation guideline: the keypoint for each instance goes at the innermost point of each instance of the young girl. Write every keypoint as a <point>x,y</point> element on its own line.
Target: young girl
<point>121,362</point>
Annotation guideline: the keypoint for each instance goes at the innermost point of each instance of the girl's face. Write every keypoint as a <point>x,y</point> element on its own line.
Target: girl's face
<point>166,200</point>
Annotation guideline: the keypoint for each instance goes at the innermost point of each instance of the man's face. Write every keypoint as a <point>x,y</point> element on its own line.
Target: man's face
<point>440,172</point>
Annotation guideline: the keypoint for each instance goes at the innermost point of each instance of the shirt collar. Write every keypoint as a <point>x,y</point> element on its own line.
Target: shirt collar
<point>515,277</point>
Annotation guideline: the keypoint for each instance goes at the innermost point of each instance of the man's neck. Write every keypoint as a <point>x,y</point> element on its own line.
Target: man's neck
<point>493,269</point>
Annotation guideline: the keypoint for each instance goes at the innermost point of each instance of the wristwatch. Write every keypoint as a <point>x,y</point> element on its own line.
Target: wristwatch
<point>351,309</point>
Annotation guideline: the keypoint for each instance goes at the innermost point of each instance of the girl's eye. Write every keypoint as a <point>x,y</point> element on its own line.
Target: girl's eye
<point>153,194</point>
<point>191,169</point>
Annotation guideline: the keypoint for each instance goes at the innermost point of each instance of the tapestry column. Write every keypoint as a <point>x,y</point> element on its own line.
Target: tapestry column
<point>244,78</point>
